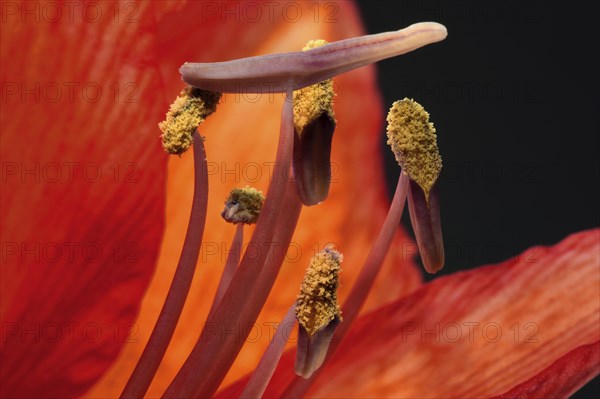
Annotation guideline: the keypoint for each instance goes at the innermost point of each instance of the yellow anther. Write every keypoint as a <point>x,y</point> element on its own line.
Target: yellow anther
<point>313,101</point>
<point>186,113</point>
<point>414,142</point>
<point>243,205</point>
<point>317,304</point>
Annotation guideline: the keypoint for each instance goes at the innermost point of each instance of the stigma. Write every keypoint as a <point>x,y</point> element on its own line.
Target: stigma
<point>243,205</point>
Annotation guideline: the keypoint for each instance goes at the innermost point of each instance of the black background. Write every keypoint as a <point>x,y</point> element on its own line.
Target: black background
<point>512,93</point>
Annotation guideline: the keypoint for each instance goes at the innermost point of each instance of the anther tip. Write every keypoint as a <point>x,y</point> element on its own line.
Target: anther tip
<point>317,310</point>
<point>317,305</point>
<point>413,140</point>
<point>186,113</point>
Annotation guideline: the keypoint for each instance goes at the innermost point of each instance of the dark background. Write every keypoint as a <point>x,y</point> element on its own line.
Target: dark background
<point>512,94</point>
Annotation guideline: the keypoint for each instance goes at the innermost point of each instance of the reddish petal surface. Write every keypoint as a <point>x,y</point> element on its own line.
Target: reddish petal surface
<point>83,179</point>
<point>563,378</point>
<point>241,143</point>
<point>475,334</point>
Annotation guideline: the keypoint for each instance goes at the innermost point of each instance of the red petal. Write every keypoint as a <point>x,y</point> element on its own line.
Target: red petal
<point>563,378</point>
<point>473,334</point>
<point>83,189</point>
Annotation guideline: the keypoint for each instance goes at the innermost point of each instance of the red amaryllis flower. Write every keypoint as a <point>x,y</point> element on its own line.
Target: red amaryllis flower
<point>84,226</point>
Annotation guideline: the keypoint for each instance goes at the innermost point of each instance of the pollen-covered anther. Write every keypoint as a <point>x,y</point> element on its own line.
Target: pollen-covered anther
<point>317,311</point>
<point>314,124</point>
<point>414,143</point>
<point>317,304</point>
<point>243,205</point>
<point>186,113</point>
<point>312,101</point>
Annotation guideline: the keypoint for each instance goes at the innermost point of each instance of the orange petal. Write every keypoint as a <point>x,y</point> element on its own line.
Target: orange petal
<point>82,191</point>
<point>241,139</point>
<point>474,334</point>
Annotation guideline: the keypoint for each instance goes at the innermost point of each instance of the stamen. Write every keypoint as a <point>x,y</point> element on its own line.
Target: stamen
<point>169,316</point>
<point>299,386</point>
<point>186,113</point>
<point>317,311</point>
<point>213,354</point>
<point>268,363</point>
<point>414,142</point>
<point>314,124</point>
<point>317,304</point>
<point>231,264</point>
<point>280,72</point>
<point>243,205</point>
